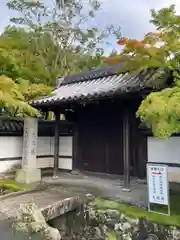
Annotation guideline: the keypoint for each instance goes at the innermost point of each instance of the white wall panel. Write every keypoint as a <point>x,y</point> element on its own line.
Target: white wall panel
<point>11,147</point>
<point>65,146</point>
<point>165,151</point>
<point>44,146</point>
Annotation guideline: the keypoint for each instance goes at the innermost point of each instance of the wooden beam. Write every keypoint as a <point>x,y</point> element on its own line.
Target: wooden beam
<point>56,143</point>
<point>126,150</point>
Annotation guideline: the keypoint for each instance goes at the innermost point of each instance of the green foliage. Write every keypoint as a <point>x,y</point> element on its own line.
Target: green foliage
<point>50,42</point>
<point>112,236</point>
<point>19,46</point>
<point>16,64</point>
<point>158,50</point>
<point>56,43</point>
<point>32,91</point>
<point>161,111</point>
<point>12,99</point>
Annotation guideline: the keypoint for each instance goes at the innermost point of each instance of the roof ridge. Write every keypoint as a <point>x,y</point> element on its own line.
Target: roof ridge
<point>92,74</point>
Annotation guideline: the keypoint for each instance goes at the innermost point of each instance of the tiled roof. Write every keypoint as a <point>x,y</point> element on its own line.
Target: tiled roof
<point>45,128</point>
<point>11,126</point>
<point>93,74</point>
<point>95,84</point>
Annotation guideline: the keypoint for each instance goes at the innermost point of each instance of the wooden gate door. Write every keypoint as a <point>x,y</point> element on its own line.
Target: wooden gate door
<point>113,138</point>
<point>92,147</point>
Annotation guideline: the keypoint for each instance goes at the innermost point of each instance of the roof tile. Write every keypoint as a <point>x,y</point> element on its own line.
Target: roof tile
<point>108,83</point>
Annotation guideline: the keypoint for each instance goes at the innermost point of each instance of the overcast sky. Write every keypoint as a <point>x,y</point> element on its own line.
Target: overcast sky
<point>132,15</point>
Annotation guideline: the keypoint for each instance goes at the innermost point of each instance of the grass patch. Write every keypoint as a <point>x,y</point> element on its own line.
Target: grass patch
<point>135,212</point>
<point>9,186</point>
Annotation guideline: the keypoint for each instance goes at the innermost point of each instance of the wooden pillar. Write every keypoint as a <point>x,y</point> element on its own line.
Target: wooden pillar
<point>126,150</point>
<point>56,143</point>
<point>75,147</point>
<point>46,115</point>
<point>142,157</point>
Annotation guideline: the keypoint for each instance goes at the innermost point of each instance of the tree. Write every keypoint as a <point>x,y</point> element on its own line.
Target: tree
<point>12,100</point>
<point>59,36</point>
<point>15,95</point>
<point>158,50</point>
<point>16,91</point>
<point>62,3</point>
<point>17,46</point>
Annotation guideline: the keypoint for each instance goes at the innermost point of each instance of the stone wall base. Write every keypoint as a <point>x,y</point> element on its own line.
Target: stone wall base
<point>91,223</point>
<point>28,175</point>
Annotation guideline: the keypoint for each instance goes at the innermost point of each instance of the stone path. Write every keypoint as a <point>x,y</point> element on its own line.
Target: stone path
<point>108,186</point>
<point>68,185</point>
<point>42,199</point>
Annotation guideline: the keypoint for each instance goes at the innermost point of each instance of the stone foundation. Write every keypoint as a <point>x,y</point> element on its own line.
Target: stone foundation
<point>28,176</point>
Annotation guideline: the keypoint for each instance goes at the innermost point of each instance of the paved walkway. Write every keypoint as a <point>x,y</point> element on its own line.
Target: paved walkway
<point>108,186</point>
<point>68,185</point>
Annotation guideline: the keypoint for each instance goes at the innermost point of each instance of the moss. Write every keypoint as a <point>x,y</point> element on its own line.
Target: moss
<point>112,235</point>
<point>13,186</point>
<point>134,212</point>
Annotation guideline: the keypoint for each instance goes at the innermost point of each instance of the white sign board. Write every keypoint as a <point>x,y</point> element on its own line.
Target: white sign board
<point>158,185</point>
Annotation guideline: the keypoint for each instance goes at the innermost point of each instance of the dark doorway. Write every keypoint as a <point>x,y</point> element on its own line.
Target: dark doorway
<point>100,141</point>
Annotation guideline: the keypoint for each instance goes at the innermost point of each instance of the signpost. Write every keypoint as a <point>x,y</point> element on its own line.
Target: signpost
<point>158,186</point>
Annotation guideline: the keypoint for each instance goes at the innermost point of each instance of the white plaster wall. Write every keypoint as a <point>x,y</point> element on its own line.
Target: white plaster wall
<point>11,147</point>
<point>165,151</point>
<point>65,146</point>
<point>8,165</point>
<point>44,146</point>
<point>64,163</point>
